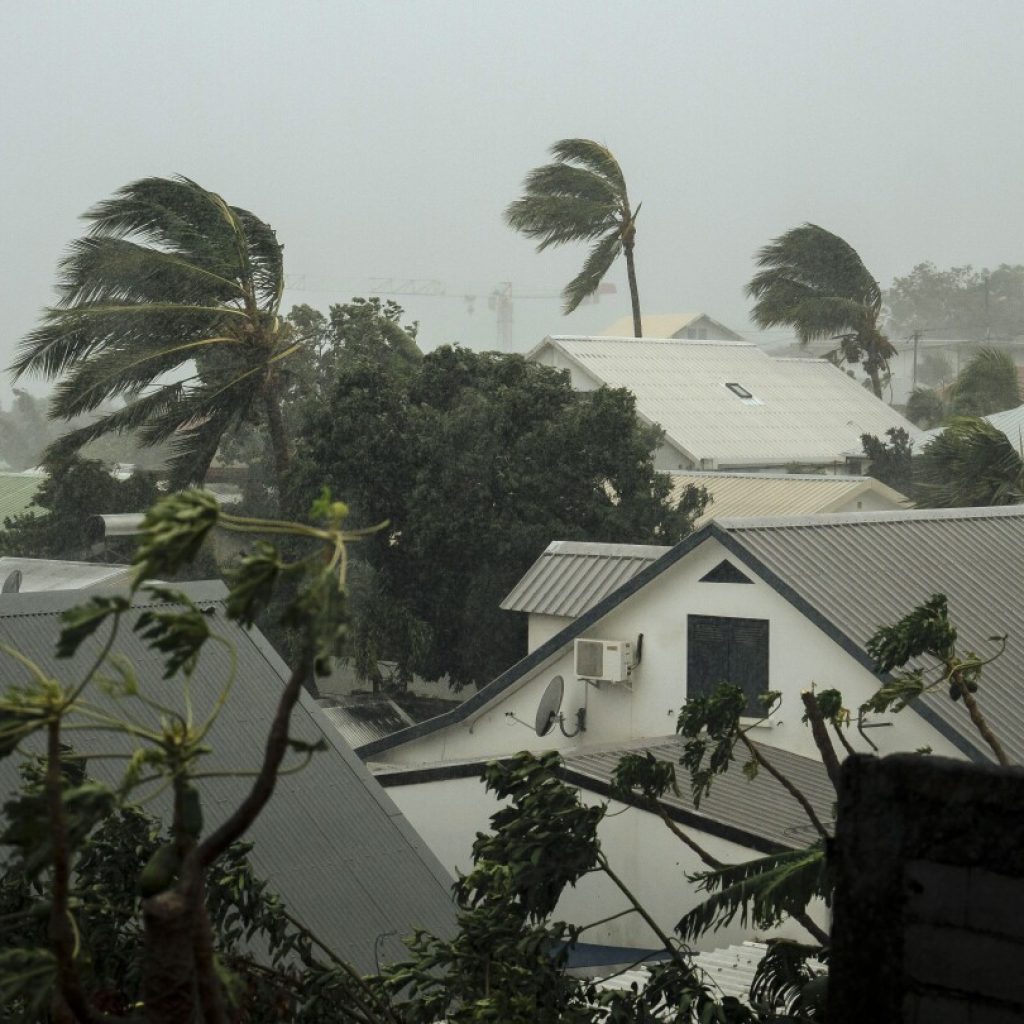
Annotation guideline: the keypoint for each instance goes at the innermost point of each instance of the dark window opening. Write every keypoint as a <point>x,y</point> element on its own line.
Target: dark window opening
<point>727,650</point>
<point>739,390</point>
<point>725,572</point>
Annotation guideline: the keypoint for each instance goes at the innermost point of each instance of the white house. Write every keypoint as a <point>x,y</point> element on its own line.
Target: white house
<point>782,604</point>
<point>728,404</point>
<point>688,326</point>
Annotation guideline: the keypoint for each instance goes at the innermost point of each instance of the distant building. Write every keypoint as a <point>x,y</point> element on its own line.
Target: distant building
<point>682,326</point>
<point>728,405</point>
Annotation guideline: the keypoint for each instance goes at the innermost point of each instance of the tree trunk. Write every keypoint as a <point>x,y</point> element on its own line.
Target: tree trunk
<point>634,294</point>
<point>876,383</point>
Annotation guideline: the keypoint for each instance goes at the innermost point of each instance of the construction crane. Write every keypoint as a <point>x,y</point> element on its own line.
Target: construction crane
<point>501,300</point>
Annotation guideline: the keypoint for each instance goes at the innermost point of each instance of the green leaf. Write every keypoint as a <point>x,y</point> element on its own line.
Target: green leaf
<point>82,621</point>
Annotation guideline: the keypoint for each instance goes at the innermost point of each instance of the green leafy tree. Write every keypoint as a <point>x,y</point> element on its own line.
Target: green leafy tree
<point>959,303</point>
<point>581,197</point>
<point>892,461</point>
<point>970,463</point>
<point>815,282</point>
<point>169,303</point>
<point>476,461</point>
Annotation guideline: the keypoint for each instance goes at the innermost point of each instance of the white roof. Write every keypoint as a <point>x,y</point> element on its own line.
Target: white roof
<point>1010,422</point>
<point>736,495</point>
<point>805,411</point>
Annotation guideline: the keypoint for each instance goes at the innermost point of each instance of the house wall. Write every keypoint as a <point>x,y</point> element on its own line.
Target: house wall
<point>800,655</point>
<point>652,862</point>
<point>869,501</point>
<point>705,329</point>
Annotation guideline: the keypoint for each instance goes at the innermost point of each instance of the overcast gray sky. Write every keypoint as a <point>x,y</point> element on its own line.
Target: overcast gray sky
<point>383,139</point>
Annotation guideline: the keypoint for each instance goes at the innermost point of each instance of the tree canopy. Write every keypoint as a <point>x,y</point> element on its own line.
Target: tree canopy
<point>581,197</point>
<point>476,461</point>
<point>961,302</point>
<point>170,304</point>
<point>815,282</point>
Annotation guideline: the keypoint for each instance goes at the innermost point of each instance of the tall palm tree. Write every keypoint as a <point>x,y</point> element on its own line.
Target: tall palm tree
<point>816,283</point>
<point>581,197</point>
<point>969,463</point>
<point>169,303</point>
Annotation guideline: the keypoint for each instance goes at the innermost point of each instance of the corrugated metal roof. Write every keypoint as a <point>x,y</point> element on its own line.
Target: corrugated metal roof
<point>729,971</point>
<point>1010,422</point>
<point>361,719</point>
<point>38,574</point>
<point>16,493</point>
<point>803,411</point>
<point>571,576</point>
<point>331,842</point>
<point>770,494</point>
<point>758,807</point>
<point>866,570</point>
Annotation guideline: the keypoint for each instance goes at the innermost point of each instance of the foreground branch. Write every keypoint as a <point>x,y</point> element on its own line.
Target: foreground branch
<point>786,784</point>
<point>263,785</point>
<point>822,740</point>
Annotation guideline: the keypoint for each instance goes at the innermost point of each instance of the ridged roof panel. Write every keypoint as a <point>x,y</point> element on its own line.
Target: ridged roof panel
<point>861,572</point>
<point>803,410</point>
<point>736,495</point>
<point>570,577</point>
<point>331,842</point>
<point>758,806</point>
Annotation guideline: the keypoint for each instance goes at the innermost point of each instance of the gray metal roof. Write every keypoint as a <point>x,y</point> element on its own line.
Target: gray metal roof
<point>331,842</point>
<point>363,718</point>
<point>758,807</point>
<point>39,574</point>
<point>570,576</point>
<point>862,571</point>
<point>801,410</point>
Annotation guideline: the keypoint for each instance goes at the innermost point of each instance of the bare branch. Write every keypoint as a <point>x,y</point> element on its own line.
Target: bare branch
<point>822,740</point>
<point>786,784</point>
<point>263,786</point>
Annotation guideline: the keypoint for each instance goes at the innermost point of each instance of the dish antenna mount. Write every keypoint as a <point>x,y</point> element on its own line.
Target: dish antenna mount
<point>549,711</point>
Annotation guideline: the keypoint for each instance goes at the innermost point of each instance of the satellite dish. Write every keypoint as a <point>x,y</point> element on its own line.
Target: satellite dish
<point>549,707</point>
<point>13,583</point>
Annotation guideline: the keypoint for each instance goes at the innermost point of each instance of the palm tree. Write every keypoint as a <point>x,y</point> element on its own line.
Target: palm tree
<point>581,197</point>
<point>987,384</point>
<point>969,463</point>
<point>169,303</point>
<point>816,283</point>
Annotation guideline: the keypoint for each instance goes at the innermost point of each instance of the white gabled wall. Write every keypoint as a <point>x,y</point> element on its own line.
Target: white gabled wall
<point>641,850</point>
<point>800,655</point>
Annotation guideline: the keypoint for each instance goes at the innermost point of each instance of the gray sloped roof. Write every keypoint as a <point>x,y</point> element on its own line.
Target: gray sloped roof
<point>361,719</point>
<point>570,576</point>
<point>758,811</point>
<point>858,572</point>
<point>331,842</point>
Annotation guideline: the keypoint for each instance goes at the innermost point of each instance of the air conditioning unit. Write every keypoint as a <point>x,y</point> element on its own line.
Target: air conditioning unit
<point>607,660</point>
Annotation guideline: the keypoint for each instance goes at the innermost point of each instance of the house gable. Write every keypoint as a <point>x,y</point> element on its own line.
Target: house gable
<point>806,650</point>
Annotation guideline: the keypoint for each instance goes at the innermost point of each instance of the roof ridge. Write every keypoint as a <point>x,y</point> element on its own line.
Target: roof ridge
<point>834,519</point>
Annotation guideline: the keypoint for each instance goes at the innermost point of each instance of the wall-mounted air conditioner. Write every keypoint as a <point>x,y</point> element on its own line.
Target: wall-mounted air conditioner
<point>607,660</point>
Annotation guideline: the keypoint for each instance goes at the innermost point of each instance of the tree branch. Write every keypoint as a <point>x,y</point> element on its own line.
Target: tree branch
<point>822,740</point>
<point>803,918</point>
<point>263,786</point>
<point>786,784</point>
<point>980,722</point>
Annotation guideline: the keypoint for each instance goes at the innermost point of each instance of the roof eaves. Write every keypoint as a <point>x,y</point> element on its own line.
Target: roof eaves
<point>538,658</point>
